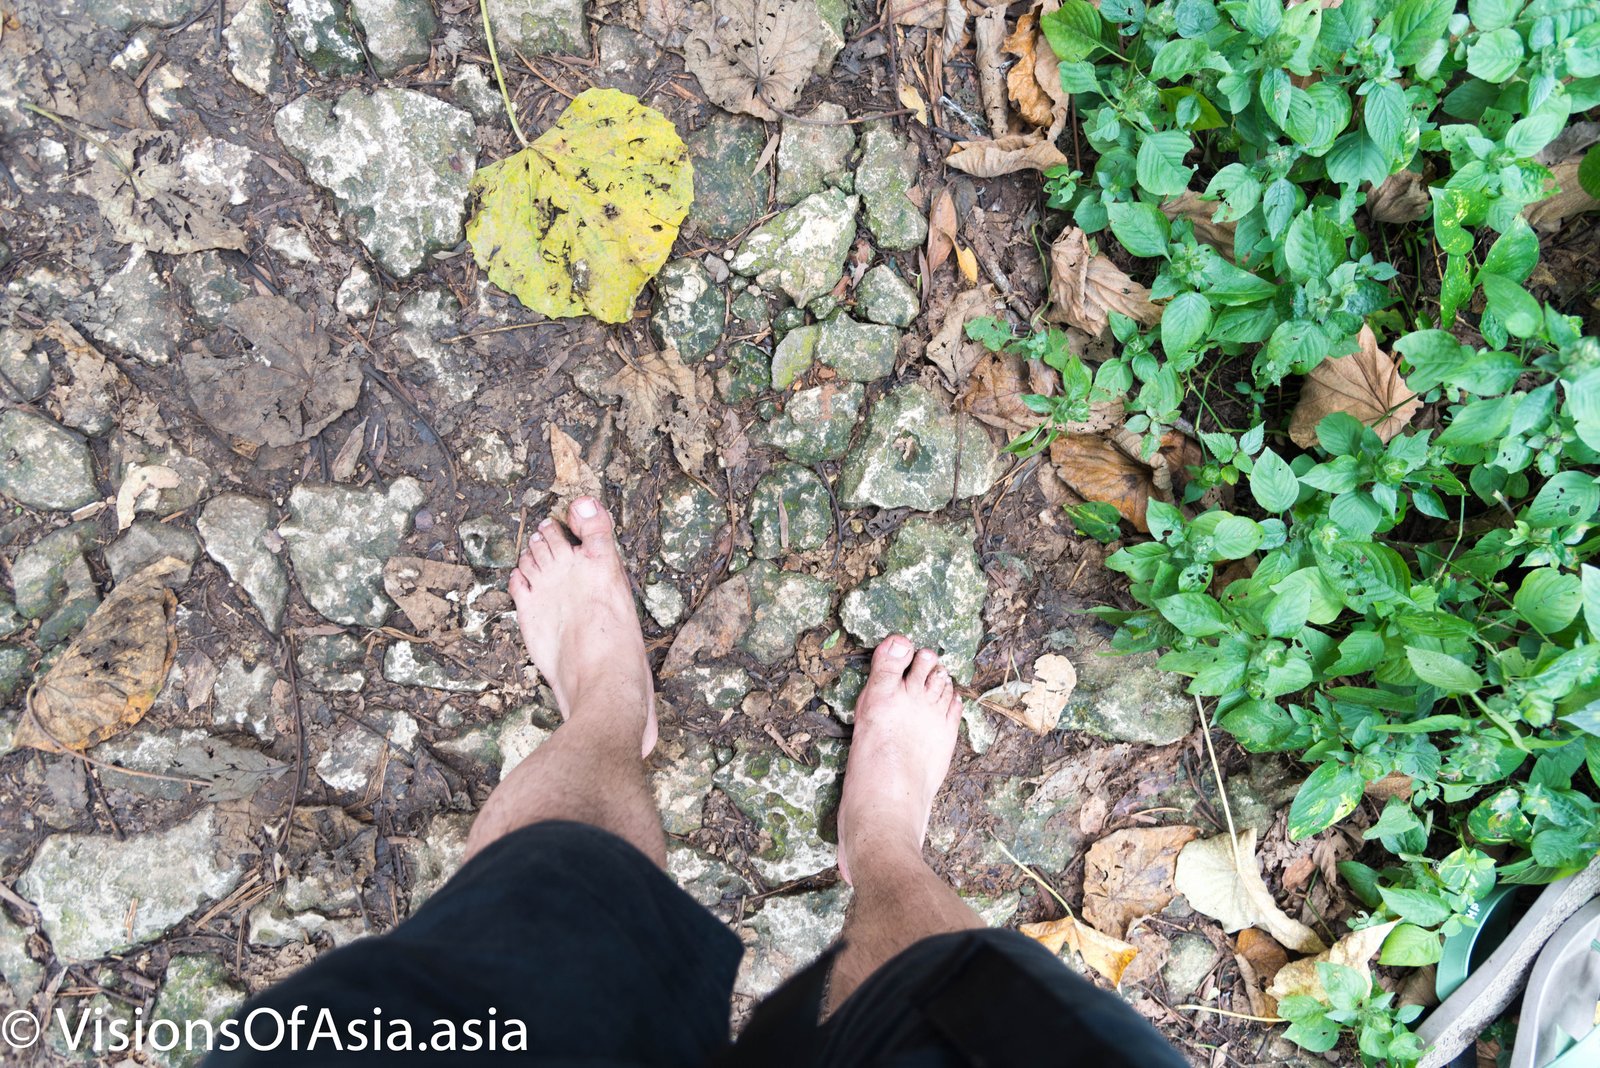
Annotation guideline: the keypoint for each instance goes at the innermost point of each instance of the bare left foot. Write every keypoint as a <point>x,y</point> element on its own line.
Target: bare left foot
<point>576,613</point>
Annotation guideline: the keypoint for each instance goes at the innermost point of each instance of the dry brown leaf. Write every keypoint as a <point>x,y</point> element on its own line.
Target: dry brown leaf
<point>343,468</point>
<point>956,17</point>
<point>147,199</point>
<point>1106,955</point>
<point>1034,81</point>
<point>949,349</point>
<point>1084,287</point>
<point>1365,384</point>
<point>1260,958</point>
<point>111,673</point>
<point>1395,784</point>
<point>1006,155</point>
<point>139,481</point>
<point>418,586</point>
<point>989,35</point>
<point>754,56</point>
<point>573,477</point>
<point>912,100</point>
<point>89,401</point>
<point>967,264</point>
<point>1222,878</point>
<point>714,629</point>
<point>941,229</point>
<point>925,14</point>
<point>1098,469</point>
<point>1353,951</point>
<point>1054,679</point>
<point>1548,214</point>
<point>1128,875</point>
<point>1189,205</point>
<point>995,389</point>
<point>659,393</point>
<point>1402,198</point>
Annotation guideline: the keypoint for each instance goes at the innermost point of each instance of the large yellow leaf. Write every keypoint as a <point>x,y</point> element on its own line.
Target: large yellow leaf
<point>580,220</point>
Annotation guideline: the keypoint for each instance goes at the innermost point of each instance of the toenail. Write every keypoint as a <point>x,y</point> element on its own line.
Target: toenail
<point>898,648</point>
<point>586,507</point>
<point>545,522</point>
<point>536,536</point>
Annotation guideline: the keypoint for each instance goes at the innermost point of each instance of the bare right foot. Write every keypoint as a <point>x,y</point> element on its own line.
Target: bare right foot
<point>905,733</point>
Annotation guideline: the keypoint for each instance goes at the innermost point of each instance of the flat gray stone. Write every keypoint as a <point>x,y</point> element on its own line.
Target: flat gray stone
<point>82,884</point>
<point>729,193</point>
<point>931,589</point>
<point>25,366</point>
<point>909,456</point>
<point>859,352</point>
<point>744,375</point>
<point>802,250</point>
<point>473,89</point>
<point>398,33</point>
<point>681,786</point>
<point>783,606</point>
<point>704,877</point>
<point>253,47</point>
<point>688,311</point>
<point>320,32</point>
<point>358,294</point>
<point>488,543</point>
<point>50,571</point>
<point>43,465</point>
<point>19,972</point>
<point>885,178</point>
<point>664,602</point>
<point>789,933</point>
<point>539,27</point>
<point>210,286</point>
<point>331,662</point>
<point>1128,699</point>
<point>134,313</point>
<point>13,673</point>
<point>788,801</point>
<point>339,539</point>
<point>147,541</point>
<point>353,757</point>
<point>816,423</point>
<point>794,355</point>
<point>884,297</point>
<point>425,318</point>
<point>125,15</point>
<point>409,664</point>
<point>242,697</point>
<point>1189,960</point>
<point>195,987</point>
<point>436,854</point>
<point>790,511</point>
<point>717,686</point>
<point>236,529</point>
<point>690,518</point>
<point>398,163</point>
<point>812,157</point>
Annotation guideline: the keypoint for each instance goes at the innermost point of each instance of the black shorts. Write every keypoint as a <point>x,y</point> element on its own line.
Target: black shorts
<point>605,962</point>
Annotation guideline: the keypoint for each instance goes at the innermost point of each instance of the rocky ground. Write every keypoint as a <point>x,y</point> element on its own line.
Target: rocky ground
<point>348,681</point>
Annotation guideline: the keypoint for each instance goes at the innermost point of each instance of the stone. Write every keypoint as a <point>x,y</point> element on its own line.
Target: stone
<point>980,726</point>
<point>425,318</point>
<point>195,987</point>
<point>841,694</point>
<point>909,456</point>
<point>319,30</point>
<point>398,163</point>
<point>358,294</point>
<point>488,543</point>
<point>689,311</point>
<point>789,802</point>
<point>18,971</point>
<point>147,541</point>
<point>45,574</point>
<point>704,877</point>
<point>812,156</point>
<point>802,250</point>
<point>718,687</point>
<point>789,933</point>
<point>123,15</point>
<point>996,909</point>
<point>1189,960</point>
<point>397,33</point>
<point>146,749</point>
<point>886,179</point>
<point>253,48</point>
<point>408,664</point>
<point>11,620</point>
<point>292,244</point>
<point>681,786</point>
<point>519,735</point>
<point>355,753</point>
<point>744,375</point>
<point>82,884</point>
<point>43,465</point>
<point>13,673</point>
<point>26,369</point>
<point>134,314</point>
<point>331,662</point>
<point>859,352</point>
<point>242,697</point>
<point>628,59</point>
<point>884,297</point>
<point>210,285</point>
<point>436,854</point>
<point>237,531</point>
<point>664,602</point>
<point>790,511</point>
<point>931,589</point>
<point>339,539</point>
<point>1128,699</point>
<point>539,27</point>
<point>783,606</point>
<point>491,459</point>
<point>472,89</point>
<point>833,14</point>
<point>794,355</point>
<point>690,518</point>
<point>816,423</point>
<point>729,193</point>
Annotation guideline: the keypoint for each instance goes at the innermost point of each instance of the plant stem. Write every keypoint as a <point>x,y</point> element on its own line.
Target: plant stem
<point>499,75</point>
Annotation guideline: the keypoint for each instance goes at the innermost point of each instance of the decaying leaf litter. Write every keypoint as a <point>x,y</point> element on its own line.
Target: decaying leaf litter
<point>214,359</point>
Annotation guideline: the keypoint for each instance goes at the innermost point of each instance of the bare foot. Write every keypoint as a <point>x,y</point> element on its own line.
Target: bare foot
<point>905,732</point>
<point>577,615</point>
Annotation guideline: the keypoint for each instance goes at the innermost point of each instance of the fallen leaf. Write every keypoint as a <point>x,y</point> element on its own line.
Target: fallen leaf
<point>1353,951</point>
<point>1365,384</point>
<point>941,229</point>
<point>1260,958</point>
<point>234,772</point>
<point>573,477</point>
<point>967,264</point>
<point>660,394</point>
<point>715,628</point>
<point>755,56</point>
<point>1098,468</point>
<point>343,468</point>
<point>422,589</point>
<point>1084,287</point>
<point>1006,155</point>
<point>989,34</point>
<point>1568,198</point>
<point>1189,205</point>
<point>1054,679</point>
<point>1402,198</point>
<point>910,98</point>
<point>199,678</point>
<point>111,673</point>
<point>926,14</point>
<point>1221,878</point>
<point>1128,875</point>
<point>89,401</point>
<point>955,28</point>
<point>949,349</point>
<point>277,380</point>
<point>1106,955</point>
<point>142,482</point>
<point>146,199</point>
<point>581,219</point>
<point>995,389</point>
<point>1034,81</point>
<point>1395,784</point>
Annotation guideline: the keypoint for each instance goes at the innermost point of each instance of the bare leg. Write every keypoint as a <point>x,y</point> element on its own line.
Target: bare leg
<point>906,722</point>
<point>577,617</point>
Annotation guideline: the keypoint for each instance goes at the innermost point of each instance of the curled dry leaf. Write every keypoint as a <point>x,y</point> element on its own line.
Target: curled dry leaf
<point>924,14</point>
<point>1401,198</point>
<point>1106,955</point>
<point>967,264</point>
<point>941,229</point>
<point>989,35</point>
<point>1260,958</point>
<point>1221,878</point>
<point>995,389</point>
<point>1354,950</point>
<point>1128,875</point>
<point>423,588</point>
<point>1006,155</point>
<point>111,673</point>
<point>1365,384</point>
<point>89,400</point>
<point>146,198</point>
<point>1395,784</point>
<point>714,629</point>
<point>1054,679</point>
<point>1569,199</point>
<point>912,101</point>
<point>1189,205</point>
<point>949,349</point>
<point>1034,81</point>
<point>1084,287</point>
<point>754,56</point>
<point>659,393</point>
<point>573,477</point>
<point>955,28</point>
<point>1106,467</point>
<point>278,382</point>
<point>139,489</point>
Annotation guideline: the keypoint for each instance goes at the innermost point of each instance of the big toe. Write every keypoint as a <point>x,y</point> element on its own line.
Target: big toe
<point>889,662</point>
<point>593,525</point>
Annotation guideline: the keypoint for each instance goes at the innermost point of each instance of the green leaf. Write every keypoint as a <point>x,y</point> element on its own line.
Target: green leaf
<point>1184,323</point>
<point>1495,56</point>
<point>1235,537</point>
<point>1178,59</point>
<point>1511,304</point>
<point>1386,117</point>
<point>1493,14</point>
<point>1317,115</point>
<point>1285,615</point>
<point>1568,497</point>
<point>1273,484</point>
<point>1355,159</point>
<point>1195,614</point>
<point>1589,170</point>
<point>1434,355</point>
<point>1410,946</point>
<point>1359,652</point>
<point>1141,228</point>
<point>1515,253</point>
<point>1159,165</point>
<point>1415,906</point>
<point>1328,795</point>
<point>580,220</point>
<point>1583,53</point>
<point>1527,136</point>
<point>1313,246</point>
<point>1362,880</point>
<point>1415,25</point>
<point>1443,671</point>
<point>1452,208</point>
<point>1549,599</point>
<point>1073,30</point>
